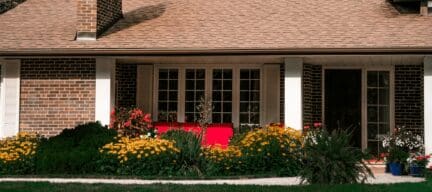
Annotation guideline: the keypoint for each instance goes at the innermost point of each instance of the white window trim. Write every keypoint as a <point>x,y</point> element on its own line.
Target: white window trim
<point>364,69</point>
<point>208,89</point>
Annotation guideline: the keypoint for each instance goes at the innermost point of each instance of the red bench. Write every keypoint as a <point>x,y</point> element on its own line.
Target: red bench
<point>216,133</point>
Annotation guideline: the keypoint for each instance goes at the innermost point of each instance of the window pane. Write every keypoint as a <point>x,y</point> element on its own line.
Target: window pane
<point>190,84</point>
<point>372,79</point>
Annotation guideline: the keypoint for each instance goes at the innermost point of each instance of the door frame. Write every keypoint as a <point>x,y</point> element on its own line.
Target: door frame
<point>364,69</point>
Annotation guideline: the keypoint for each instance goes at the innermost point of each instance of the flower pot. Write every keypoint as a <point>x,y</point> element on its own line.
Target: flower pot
<point>396,168</point>
<point>416,171</point>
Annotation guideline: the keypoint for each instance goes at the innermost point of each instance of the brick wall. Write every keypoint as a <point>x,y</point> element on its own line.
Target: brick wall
<point>409,97</point>
<point>56,94</point>
<point>312,95</point>
<point>95,16</point>
<point>126,75</point>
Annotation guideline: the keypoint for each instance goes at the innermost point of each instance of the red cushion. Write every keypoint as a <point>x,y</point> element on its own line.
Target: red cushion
<point>216,133</point>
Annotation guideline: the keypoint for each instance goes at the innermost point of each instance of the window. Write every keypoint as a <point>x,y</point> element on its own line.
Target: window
<point>378,108</point>
<point>235,93</point>
<point>249,96</point>
<point>168,94</point>
<point>222,95</point>
<point>195,89</point>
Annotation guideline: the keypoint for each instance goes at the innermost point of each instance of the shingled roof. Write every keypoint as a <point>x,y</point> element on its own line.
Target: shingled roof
<point>49,25</point>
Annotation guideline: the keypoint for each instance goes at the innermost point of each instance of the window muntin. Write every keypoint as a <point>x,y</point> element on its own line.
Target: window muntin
<point>168,94</point>
<point>195,89</point>
<point>222,95</point>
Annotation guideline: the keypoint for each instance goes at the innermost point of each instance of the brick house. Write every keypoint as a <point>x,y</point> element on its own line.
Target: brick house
<point>361,66</point>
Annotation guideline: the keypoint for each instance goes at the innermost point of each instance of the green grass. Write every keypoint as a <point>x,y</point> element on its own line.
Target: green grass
<point>48,187</point>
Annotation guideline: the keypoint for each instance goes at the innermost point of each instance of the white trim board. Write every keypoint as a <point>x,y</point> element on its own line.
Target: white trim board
<point>293,93</point>
<point>10,98</point>
<point>428,104</point>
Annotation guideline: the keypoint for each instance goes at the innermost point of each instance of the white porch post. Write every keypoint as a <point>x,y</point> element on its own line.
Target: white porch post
<point>293,93</point>
<point>105,78</point>
<point>11,98</point>
<point>428,104</point>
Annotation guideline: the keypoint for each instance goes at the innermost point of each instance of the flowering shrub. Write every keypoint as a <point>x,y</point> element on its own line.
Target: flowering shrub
<point>132,122</point>
<point>404,139</point>
<point>273,148</point>
<point>139,156</point>
<point>220,161</point>
<point>17,153</point>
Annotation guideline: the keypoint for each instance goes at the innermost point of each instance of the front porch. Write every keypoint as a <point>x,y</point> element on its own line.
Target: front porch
<point>386,91</point>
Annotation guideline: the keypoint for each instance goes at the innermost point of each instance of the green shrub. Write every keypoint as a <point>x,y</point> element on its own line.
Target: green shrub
<point>73,151</point>
<point>139,156</point>
<point>330,159</point>
<point>17,154</point>
<point>272,149</point>
<point>189,160</point>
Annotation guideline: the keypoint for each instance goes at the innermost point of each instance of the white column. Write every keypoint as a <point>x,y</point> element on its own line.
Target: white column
<point>293,93</point>
<point>11,98</point>
<point>428,104</point>
<point>105,78</point>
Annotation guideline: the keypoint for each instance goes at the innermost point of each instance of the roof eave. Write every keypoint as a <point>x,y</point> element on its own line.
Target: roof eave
<point>222,51</point>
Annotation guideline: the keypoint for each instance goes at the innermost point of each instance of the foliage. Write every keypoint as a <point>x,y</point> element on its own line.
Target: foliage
<point>132,122</point>
<point>139,156</point>
<point>220,161</point>
<point>330,159</point>
<point>73,151</point>
<point>396,154</point>
<point>189,159</point>
<point>17,154</point>
<point>272,149</point>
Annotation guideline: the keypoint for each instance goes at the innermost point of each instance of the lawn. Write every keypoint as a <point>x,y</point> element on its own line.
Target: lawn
<point>48,187</point>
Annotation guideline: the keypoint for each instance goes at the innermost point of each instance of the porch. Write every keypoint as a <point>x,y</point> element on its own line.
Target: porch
<point>370,95</point>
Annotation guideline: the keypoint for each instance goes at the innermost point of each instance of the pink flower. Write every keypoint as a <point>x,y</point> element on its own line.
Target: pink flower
<point>306,127</point>
<point>127,124</point>
<point>317,124</point>
<point>147,118</point>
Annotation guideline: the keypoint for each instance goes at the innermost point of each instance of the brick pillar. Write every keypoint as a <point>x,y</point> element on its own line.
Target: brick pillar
<point>312,93</point>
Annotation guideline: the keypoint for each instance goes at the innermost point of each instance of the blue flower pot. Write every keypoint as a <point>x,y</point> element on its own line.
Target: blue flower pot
<point>396,168</point>
<point>416,171</point>
<point>387,168</point>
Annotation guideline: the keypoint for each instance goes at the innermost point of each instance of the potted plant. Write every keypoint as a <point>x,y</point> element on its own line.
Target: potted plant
<point>417,164</point>
<point>399,145</point>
